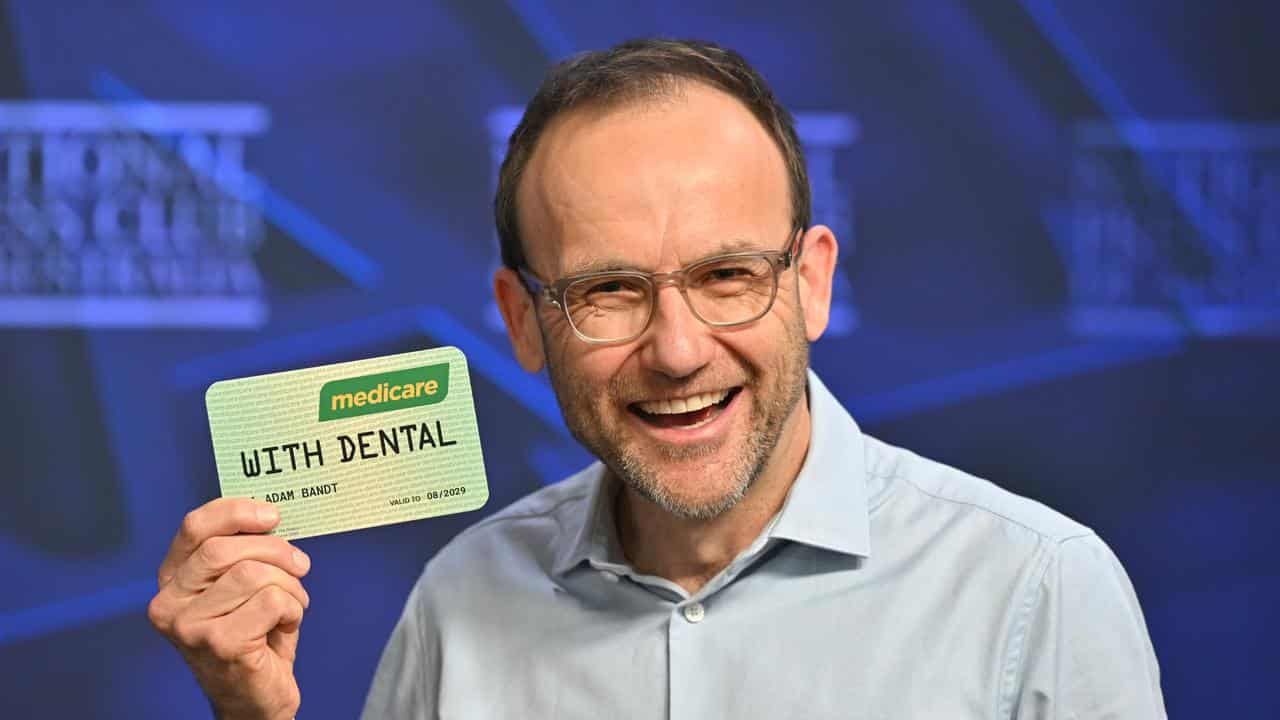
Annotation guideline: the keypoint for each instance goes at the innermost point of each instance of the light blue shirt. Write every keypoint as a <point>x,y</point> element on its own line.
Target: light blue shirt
<point>888,586</point>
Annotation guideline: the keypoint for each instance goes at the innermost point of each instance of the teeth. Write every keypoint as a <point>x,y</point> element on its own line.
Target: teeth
<point>683,405</point>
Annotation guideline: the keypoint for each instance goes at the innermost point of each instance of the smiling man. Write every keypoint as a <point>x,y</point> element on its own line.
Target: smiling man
<point>741,549</point>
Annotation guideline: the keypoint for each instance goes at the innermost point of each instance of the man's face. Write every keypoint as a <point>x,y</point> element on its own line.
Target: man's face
<point>687,415</point>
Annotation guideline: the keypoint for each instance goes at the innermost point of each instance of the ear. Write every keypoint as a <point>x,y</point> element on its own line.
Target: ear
<point>520,316</point>
<point>816,271</point>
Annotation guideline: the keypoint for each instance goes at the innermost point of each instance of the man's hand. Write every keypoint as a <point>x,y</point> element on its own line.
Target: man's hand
<point>231,601</point>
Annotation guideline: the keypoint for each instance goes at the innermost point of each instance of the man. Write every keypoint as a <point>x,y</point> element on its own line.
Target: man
<point>741,549</point>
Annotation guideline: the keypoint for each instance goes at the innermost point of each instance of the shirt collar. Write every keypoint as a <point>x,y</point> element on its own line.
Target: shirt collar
<point>591,533</point>
<point>826,507</point>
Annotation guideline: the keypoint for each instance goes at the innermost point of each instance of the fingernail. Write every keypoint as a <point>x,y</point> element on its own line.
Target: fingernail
<point>267,514</point>
<point>301,560</point>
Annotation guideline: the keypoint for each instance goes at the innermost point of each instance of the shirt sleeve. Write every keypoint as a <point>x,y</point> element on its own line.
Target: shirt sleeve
<point>1087,652</point>
<point>408,674</point>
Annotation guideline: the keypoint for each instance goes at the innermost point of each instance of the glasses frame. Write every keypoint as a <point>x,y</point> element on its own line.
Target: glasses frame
<point>554,292</point>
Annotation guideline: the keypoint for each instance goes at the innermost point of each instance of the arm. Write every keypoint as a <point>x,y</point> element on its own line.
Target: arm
<point>1087,654</point>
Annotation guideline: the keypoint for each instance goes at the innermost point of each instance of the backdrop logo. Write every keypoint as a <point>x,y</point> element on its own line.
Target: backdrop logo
<point>826,138</point>
<point>381,392</point>
<point>128,214</point>
<point>1175,228</point>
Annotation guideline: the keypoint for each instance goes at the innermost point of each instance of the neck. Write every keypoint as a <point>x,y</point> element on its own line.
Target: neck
<point>691,552</point>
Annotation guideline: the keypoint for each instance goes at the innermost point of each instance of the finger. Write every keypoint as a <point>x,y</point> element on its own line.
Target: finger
<point>220,553</point>
<point>241,583</point>
<point>268,609</point>
<point>224,516</point>
<point>284,640</point>
<point>241,632</point>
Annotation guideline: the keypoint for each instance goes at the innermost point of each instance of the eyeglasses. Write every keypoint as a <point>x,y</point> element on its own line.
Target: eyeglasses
<point>616,306</point>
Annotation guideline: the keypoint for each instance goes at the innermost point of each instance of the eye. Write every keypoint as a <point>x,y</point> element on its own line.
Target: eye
<point>732,277</point>
<point>727,273</point>
<point>606,287</point>
<point>730,273</point>
<point>607,292</point>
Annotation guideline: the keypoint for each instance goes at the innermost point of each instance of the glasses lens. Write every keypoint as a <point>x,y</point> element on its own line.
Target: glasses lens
<point>608,307</point>
<point>732,290</point>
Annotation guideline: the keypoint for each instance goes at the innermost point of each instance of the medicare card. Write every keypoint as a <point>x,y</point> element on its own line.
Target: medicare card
<point>352,445</point>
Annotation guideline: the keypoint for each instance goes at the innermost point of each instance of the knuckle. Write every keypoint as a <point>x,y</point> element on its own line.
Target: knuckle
<point>223,646</point>
<point>214,552</point>
<point>190,528</point>
<point>187,633</point>
<point>273,596</point>
<point>247,573</point>
<point>278,600</point>
<point>158,614</point>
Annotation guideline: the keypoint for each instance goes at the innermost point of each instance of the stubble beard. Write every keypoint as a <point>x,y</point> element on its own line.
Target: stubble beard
<point>772,401</point>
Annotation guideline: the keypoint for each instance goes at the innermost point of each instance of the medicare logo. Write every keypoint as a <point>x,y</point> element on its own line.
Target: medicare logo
<point>1174,229</point>
<point>129,214</point>
<point>382,392</point>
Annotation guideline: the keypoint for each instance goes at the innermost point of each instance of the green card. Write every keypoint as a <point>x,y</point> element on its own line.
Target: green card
<point>352,445</point>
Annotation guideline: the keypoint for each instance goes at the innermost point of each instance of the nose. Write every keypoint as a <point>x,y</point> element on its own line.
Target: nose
<point>677,344</point>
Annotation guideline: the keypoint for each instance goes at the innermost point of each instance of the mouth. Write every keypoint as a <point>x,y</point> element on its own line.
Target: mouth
<point>684,412</point>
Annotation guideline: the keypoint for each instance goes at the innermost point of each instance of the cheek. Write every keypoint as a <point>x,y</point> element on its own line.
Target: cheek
<point>590,372</point>
<point>786,306</point>
<point>762,342</point>
<point>568,355</point>
<point>556,330</point>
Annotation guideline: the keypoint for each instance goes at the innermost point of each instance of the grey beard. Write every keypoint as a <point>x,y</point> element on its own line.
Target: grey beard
<point>644,480</point>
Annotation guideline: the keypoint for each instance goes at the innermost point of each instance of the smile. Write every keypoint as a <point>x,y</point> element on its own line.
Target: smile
<point>684,412</point>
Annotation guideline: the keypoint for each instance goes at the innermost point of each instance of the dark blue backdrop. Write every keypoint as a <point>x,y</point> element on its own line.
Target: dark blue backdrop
<point>1060,270</point>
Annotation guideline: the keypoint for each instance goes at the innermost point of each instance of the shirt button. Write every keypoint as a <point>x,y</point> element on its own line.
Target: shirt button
<point>694,612</point>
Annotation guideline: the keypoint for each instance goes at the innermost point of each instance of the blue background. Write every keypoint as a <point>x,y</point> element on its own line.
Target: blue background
<point>960,336</point>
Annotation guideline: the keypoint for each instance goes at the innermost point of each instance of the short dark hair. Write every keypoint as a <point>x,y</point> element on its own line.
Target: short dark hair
<point>638,70</point>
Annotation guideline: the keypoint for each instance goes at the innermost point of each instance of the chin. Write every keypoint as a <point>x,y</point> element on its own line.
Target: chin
<point>702,506</point>
<point>695,488</point>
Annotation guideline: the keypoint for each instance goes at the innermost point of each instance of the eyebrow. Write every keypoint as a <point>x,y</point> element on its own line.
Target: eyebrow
<point>612,264</point>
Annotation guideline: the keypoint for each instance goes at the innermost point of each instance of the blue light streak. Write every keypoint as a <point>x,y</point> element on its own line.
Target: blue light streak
<point>1002,377</point>
<point>74,612</point>
<point>309,232</point>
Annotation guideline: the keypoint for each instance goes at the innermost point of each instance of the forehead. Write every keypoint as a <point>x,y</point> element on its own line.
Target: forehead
<point>652,184</point>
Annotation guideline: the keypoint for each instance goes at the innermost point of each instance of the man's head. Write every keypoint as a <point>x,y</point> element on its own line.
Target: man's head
<point>642,71</point>
<point>652,156</point>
